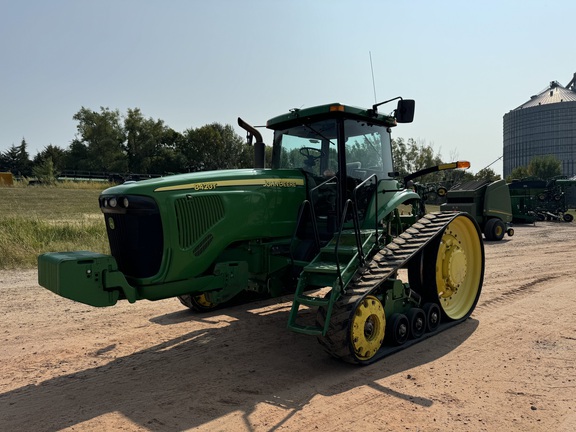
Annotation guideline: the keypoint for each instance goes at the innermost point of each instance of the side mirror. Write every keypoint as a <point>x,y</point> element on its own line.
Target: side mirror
<point>405,111</point>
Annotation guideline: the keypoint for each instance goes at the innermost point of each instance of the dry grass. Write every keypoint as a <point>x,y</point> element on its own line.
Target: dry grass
<point>37,219</point>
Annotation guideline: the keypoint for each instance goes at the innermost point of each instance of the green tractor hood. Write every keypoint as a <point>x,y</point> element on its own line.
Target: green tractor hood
<point>208,212</point>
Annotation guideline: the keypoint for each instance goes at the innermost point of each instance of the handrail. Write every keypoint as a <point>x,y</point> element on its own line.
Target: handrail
<point>333,178</point>
<point>370,178</point>
<point>306,204</point>
<point>349,205</point>
<point>356,225</point>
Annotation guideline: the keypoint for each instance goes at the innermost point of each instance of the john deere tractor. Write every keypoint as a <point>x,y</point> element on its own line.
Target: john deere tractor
<point>328,222</point>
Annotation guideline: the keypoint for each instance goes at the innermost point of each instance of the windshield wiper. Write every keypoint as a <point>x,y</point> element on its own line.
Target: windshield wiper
<point>319,133</point>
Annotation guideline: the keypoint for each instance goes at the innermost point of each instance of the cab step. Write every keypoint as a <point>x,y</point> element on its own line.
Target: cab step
<point>323,272</point>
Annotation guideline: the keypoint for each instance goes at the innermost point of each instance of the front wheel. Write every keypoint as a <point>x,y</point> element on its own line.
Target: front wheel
<point>197,303</point>
<point>450,269</point>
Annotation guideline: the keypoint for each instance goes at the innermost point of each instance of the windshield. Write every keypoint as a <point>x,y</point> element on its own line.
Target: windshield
<point>314,148</point>
<point>311,147</point>
<point>368,150</point>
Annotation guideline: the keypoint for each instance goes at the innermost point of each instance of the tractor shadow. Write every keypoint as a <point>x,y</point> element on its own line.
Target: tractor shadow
<point>198,377</point>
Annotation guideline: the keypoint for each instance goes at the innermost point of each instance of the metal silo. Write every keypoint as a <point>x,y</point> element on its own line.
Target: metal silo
<point>545,125</point>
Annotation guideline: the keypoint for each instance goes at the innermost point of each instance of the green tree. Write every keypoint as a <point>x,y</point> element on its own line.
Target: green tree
<point>17,160</point>
<point>148,141</point>
<point>77,157</point>
<point>103,134</point>
<point>213,147</point>
<point>56,154</point>
<point>518,173</point>
<point>168,159</point>
<point>545,167</point>
<point>44,172</point>
<point>411,156</point>
<point>487,174</point>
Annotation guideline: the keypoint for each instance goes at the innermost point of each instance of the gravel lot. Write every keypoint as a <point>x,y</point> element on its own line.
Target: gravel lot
<point>153,366</point>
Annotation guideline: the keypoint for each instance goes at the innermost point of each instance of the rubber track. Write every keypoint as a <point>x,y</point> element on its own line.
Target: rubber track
<point>382,266</point>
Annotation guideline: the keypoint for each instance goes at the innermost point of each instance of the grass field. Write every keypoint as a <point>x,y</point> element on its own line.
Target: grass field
<point>37,219</point>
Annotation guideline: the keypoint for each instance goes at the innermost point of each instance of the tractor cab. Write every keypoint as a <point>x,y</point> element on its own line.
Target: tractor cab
<point>344,153</point>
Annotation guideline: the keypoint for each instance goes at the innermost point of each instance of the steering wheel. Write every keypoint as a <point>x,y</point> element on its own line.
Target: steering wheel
<point>311,153</point>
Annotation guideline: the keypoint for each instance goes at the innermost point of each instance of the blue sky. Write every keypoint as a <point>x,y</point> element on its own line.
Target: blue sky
<point>190,63</point>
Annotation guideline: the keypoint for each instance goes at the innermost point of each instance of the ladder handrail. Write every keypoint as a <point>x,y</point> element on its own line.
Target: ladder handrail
<point>333,178</point>
<point>307,204</point>
<point>370,178</point>
<point>356,226</point>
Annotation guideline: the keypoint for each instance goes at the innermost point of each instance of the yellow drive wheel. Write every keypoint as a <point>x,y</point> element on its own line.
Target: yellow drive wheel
<point>450,270</point>
<point>367,328</point>
<point>203,302</point>
<point>197,303</point>
<point>459,267</point>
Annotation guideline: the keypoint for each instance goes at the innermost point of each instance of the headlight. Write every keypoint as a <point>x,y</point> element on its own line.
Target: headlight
<point>113,202</point>
<point>125,202</point>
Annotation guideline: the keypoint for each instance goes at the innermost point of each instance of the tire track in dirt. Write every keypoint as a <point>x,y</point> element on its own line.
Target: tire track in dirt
<point>514,293</point>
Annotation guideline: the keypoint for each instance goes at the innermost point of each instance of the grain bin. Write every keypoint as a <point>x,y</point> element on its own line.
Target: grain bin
<point>545,125</point>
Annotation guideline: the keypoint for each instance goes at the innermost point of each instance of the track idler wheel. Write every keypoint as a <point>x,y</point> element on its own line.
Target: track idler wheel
<point>433,314</point>
<point>450,269</point>
<point>367,328</point>
<point>417,320</point>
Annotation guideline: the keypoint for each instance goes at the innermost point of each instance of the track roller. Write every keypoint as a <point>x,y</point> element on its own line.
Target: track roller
<point>432,312</point>
<point>399,329</point>
<point>417,320</point>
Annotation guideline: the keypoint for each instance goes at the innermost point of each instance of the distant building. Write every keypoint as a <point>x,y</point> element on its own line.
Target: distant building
<point>545,125</point>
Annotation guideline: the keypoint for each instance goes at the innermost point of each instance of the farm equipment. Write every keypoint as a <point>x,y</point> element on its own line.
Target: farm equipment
<point>487,201</point>
<point>328,222</point>
<point>539,200</point>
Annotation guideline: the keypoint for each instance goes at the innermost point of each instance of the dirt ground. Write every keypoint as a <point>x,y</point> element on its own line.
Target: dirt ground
<point>154,366</point>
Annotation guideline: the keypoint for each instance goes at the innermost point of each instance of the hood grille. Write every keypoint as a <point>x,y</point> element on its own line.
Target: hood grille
<point>195,215</point>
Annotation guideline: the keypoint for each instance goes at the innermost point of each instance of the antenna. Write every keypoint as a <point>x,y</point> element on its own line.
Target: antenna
<point>489,165</point>
<point>373,82</point>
